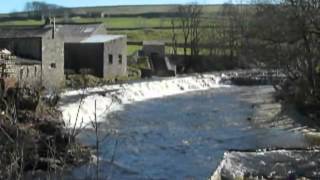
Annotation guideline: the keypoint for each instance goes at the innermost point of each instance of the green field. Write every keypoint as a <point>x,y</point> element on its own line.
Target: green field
<point>26,22</point>
<point>140,9</point>
<point>146,34</point>
<point>128,22</point>
<point>132,18</point>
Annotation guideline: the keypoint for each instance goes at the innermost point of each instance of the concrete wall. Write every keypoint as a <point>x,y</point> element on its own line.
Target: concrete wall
<point>80,56</point>
<point>24,47</point>
<point>115,48</point>
<point>52,62</point>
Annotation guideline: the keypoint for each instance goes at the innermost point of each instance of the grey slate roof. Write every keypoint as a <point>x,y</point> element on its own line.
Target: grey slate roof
<point>161,43</point>
<point>101,38</point>
<point>23,32</point>
<point>76,32</point>
<point>68,32</point>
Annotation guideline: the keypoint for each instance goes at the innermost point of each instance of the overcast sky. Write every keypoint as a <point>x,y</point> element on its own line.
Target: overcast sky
<point>18,5</point>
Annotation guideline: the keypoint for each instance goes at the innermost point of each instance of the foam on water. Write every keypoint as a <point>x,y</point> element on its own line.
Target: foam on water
<point>126,94</point>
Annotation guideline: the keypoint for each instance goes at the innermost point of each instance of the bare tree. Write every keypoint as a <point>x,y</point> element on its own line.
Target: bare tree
<point>231,29</point>
<point>41,9</point>
<point>285,34</point>
<point>196,12</point>
<point>189,19</point>
<point>174,37</point>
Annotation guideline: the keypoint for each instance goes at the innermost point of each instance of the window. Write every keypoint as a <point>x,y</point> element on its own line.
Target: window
<point>53,66</point>
<point>120,58</point>
<point>35,71</point>
<point>21,73</point>
<point>110,59</point>
<point>27,72</point>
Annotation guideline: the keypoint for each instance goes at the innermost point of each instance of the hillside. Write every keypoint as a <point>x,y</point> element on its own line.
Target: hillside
<point>138,9</point>
<point>126,10</point>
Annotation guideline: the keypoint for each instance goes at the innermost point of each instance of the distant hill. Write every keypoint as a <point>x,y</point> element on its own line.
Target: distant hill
<point>138,9</point>
<point>119,11</point>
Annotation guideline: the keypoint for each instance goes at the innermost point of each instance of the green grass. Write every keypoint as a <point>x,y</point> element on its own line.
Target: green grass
<point>180,51</point>
<point>147,34</point>
<point>128,22</point>
<point>28,22</point>
<point>140,9</point>
<point>132,48</point>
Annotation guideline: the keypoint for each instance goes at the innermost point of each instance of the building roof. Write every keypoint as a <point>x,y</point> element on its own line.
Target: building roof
<point>159,43</point>
<point>68,32</point>
<point>23,32</point>
<point>101,38</point>
<point>77,32</point>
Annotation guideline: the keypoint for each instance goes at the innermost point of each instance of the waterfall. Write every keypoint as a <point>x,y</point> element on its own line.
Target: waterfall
<point>111,98</point>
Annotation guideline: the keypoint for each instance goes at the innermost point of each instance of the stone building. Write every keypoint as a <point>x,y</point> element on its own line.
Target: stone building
<point>101,55</point>
<point>56,47</point>
<point>35,46</point>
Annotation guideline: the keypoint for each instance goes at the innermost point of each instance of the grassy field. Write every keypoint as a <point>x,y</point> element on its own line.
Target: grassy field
<point>140,9</point>
<point>26,22</point>
<point>147,25</point>
<point>146,34</point>
<point>128,22</point>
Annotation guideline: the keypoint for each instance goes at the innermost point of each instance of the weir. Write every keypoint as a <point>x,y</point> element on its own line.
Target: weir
<point>112,97</point>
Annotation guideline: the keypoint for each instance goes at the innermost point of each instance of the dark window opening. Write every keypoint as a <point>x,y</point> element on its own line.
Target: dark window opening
<point>21,73</point>
<point>110,59</point>
<point>120,59</point>
<point>53,65</point>
<point>27,72</point>
<point>35,71</point>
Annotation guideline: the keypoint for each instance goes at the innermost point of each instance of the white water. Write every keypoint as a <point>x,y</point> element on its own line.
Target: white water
<point>126,94</point>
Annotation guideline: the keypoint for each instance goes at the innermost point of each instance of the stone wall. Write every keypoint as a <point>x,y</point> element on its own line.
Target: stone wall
<point>115,48</point>
<point>52,62</point>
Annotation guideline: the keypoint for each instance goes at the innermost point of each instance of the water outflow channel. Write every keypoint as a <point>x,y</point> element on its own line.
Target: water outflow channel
<point>179,137</point>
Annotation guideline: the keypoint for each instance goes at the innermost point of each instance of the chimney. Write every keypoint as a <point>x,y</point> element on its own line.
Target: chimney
<point>53,28</point>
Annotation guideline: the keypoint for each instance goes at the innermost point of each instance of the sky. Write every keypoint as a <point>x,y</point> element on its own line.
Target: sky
<point>18,5</point>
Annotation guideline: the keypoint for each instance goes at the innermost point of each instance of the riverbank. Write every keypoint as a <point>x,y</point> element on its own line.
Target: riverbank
<point>268,114</point>
<point>273,162</point>
<point>33,138</point>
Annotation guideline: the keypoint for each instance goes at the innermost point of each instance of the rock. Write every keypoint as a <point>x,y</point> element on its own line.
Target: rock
<point>279,164</point>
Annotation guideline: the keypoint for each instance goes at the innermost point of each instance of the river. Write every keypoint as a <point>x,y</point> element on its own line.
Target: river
<point>182,136</point>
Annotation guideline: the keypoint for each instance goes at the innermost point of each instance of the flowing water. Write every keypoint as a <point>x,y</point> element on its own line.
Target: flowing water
<point>179,137</point>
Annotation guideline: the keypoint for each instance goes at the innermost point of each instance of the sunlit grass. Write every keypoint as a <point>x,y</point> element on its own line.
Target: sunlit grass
<point>27,22</point>
<point>128,22</point>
